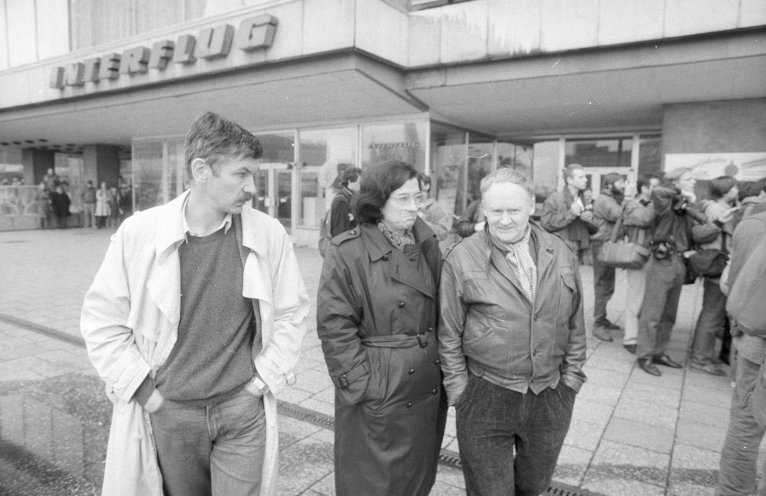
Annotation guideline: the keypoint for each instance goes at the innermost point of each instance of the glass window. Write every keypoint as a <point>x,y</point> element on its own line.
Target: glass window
<point>324,154</point>
<point>612,152</point>
<point>147,174</point>
<point>516,156</point>
<point>175,169</point>
<point>312,203</point>
<point>278,147</point>
<point>21,35</point>
<point>99,21</point>
<point>404,141</point>
<point>448,158</point>
<point>480,149</point>
<point>545,168</point>
<point>650,154</point>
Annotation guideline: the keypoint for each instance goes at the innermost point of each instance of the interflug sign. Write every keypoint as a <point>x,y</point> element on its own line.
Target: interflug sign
<point>255,33</point>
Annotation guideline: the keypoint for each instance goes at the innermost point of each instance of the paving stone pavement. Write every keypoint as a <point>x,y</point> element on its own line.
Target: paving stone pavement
<point>631,433</point>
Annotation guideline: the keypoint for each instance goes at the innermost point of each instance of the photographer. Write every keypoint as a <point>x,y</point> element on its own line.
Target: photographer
<point>677,226</point>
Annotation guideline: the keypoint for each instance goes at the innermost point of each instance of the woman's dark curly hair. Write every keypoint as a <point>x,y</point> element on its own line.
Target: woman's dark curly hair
<point>378,182</point>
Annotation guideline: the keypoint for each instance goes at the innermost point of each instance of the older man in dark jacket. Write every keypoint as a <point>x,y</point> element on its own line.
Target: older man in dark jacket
<point>511,342</point>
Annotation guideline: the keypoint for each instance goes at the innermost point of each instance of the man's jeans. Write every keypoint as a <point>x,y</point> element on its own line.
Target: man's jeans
<point>89,209</point>
<point>492,421</point>
<point>603,285</point>
<point>710,323</point>
<point>664,282</point>
<point>220,447</point>
<point>634,296</point>
<point>736,475</point>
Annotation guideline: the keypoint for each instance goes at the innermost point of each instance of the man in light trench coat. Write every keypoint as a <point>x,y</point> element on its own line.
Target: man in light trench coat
<point>195,319</point>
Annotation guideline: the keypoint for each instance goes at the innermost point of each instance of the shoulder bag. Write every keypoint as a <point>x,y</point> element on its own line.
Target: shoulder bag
<point>623,254</point>
<point>709,262</point>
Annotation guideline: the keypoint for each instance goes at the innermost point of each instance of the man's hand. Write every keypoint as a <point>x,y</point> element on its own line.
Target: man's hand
<point>587,216</point>
<point>154,402</point>
<point>576,208</point>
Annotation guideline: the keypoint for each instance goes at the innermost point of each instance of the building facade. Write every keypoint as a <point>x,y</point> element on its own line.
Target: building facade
<point>104,90</point>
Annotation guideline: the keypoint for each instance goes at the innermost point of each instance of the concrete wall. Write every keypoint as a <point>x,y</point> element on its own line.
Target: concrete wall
<point>736,126</point>
<point>487,29</point>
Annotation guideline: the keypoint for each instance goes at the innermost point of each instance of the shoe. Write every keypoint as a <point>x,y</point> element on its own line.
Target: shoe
<point>647,366</point>
<point>666,361</point>
<point>602,334</point>
<point>631,348</point>
<point>708,368</point>
<point>606,324</point>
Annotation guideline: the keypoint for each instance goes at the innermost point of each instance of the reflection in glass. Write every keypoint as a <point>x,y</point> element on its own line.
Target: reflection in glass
<point>448,158</point>
<point>404,141</point>
<point>326,153</point>
<point>545,168</point>
<point>147,174</point>
<point>650,154</point>
<point>611,152</point>
<point>311,207</point>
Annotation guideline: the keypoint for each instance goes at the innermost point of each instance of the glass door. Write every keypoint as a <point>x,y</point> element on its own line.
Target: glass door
<point>273,184</point>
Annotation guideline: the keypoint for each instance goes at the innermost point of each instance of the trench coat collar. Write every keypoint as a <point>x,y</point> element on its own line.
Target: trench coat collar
<point>170,225</point>
<point>378,247</point>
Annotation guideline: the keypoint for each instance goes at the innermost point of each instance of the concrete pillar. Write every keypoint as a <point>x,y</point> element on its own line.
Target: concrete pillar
<point>101,163</point>
<point>36,164</point>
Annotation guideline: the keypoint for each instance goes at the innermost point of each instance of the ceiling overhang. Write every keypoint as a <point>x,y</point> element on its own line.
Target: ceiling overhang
<point>332,88</point>
<point>589,91</point>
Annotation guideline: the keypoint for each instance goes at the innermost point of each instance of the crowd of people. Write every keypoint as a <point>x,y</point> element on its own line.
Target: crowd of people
<point>104,207</point>
<point>195,321</point>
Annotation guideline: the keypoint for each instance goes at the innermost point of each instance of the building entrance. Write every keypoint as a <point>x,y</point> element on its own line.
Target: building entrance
<point>273,196</point>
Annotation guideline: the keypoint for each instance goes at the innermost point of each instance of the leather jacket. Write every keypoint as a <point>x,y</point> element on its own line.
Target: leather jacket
<point>488,326</point>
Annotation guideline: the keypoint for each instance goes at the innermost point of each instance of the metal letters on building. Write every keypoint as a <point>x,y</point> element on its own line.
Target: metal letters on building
<point>254,33</point>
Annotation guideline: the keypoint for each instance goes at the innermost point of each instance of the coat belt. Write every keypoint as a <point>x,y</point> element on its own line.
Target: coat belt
<point>398,340</point>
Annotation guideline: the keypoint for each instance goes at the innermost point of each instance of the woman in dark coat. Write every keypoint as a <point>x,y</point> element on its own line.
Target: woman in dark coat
<point>376,316</point>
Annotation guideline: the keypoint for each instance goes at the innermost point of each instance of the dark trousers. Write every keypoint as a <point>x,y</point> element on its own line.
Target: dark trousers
<point>664,282</point>
<point>494,422</point>
<point>710,323</point>
<point>603,285</point>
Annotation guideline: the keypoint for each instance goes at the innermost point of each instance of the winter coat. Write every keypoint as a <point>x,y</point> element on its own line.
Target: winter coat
<point>102,203</point>
<point>341,218</point>
<point>376,318</point>
<point>130,325</point>
<point>557,217</point>
<point>637,217</point>
<point>606,212</point>
<point>489,327</point>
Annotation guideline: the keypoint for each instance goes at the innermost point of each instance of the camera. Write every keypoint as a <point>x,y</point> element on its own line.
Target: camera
<point>680,204</point>
<point>662,250</point>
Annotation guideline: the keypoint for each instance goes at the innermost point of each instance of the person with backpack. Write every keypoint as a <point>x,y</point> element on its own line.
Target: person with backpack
<point>341,217</point>
<point>712,318</point>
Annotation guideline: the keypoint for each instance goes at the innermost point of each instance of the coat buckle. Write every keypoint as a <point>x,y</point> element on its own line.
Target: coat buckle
<point>422,341</point>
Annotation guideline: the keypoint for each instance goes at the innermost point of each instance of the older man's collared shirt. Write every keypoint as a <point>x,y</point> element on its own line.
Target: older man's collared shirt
<point>519,256</point>
<point>225,223</point>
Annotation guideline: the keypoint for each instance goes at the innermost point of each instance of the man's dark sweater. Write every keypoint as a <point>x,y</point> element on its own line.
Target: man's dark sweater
<point>213,354</point>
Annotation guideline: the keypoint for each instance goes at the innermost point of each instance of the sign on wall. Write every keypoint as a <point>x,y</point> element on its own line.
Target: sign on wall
<point>211,43</point>
<point>707,166</point>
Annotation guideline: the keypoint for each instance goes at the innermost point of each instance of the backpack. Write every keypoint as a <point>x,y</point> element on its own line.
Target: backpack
<point>324,233</point>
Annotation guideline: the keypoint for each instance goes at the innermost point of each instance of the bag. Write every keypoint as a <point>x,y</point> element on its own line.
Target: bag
<point>707,263</point>
<point>623,254</point>
<point>324,233</point>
